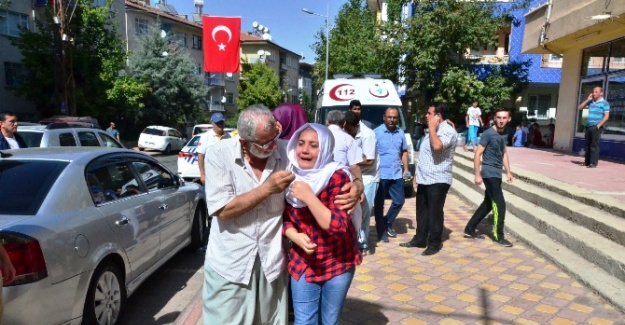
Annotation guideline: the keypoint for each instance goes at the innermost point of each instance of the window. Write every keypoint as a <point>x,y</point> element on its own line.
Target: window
<point>538,105</point>
<point>141,26</point>
<point>197,42</point>
<point>13,73</point>
<point>112,182</point>
<point>229,98</point>
<point>67,140</point>
<point>555,58</point>
<point>594,59</point>
<point>617,54</point>
<point>182,39</point>
<point>153,176</point>
<point>35,178</point>
<point>88,139</point>
<point>229,77</point>
<point>108,141</point>
<point>10,23</point>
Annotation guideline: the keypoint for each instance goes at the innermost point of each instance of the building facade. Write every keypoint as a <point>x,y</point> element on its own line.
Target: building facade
<point>590,37</point>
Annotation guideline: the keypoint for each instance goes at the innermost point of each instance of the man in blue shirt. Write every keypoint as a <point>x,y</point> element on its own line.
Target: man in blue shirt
<point>598,115</point>
<point>112,131</point>
<point>393,153</point>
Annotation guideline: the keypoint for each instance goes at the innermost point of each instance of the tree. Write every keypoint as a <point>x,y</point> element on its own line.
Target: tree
<point>434,41</point>
<point>89,56</point>
<point>357,45</point>
<point>5,4</point>
<point>259,85</point>
<point>309,106</point>
<point>176,92</point>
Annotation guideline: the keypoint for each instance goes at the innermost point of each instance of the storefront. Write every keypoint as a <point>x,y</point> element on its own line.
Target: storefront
<point>604,66</point>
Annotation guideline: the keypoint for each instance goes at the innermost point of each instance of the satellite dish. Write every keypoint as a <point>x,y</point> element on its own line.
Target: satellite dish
<point>267,37</point>
<point>267,53</point>
<point>255,24</point>
<point>165,53</point>
<point>163,33</point>
<point>260,52</point>
<point>229,74</point>
<point>266,29</point>
<point>261,27</point>
<point>223,99</point>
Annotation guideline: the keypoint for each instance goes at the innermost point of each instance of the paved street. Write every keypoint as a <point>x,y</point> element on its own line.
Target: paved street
<point>468,282</point>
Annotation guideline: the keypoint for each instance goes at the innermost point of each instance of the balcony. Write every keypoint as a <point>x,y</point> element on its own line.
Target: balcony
<point>216,107</point>
<point>215,81</point>
<point>487,59</point>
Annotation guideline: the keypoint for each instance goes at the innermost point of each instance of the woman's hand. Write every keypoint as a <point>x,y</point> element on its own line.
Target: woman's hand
<point>301,191</point>
<point>304,243</point>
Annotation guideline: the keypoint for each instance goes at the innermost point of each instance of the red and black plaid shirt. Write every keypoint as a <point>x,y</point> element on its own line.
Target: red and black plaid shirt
<point>337,248</point>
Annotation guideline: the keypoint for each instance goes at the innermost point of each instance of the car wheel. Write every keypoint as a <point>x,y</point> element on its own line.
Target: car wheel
<point>200,228</point>
<point>106,297</point>
<point>167,150</point>
<point>141,148</point>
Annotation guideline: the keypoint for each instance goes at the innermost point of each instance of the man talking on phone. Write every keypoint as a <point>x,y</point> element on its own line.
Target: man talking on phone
<point>598,115</point>
<point>434,175</point>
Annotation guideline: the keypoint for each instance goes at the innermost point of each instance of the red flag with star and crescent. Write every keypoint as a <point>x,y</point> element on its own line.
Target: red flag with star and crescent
<point>221,37</point>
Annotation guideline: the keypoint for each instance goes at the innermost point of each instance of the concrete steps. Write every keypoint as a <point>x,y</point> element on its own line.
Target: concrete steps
<point>574,230</point>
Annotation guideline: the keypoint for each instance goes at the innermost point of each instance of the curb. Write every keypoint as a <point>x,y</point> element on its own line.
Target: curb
<point>192,313</point>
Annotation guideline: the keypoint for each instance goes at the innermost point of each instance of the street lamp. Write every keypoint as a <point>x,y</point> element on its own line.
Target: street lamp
<point>327,33</point>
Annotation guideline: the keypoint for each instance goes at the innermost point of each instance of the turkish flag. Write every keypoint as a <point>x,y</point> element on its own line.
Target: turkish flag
<point>222,36</point>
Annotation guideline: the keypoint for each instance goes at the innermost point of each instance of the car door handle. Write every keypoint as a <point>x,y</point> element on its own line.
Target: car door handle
<point>123,221</point>
<point>163,206</point>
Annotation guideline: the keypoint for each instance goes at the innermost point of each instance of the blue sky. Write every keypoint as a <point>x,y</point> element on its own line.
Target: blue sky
<point>289,26</point>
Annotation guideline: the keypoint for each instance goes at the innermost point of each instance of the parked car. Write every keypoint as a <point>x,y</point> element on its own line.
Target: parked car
<point>64,135</point>
<point>188,167</point>
<point>161,138</point>
<point>201,128</point>
<point>86,226</point>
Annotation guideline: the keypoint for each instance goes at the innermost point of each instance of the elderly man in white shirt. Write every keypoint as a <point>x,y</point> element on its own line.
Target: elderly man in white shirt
<point>208,139</point>
<point>245,277</point>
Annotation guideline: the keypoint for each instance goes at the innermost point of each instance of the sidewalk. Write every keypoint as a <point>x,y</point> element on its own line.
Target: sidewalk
<point>471,281</point>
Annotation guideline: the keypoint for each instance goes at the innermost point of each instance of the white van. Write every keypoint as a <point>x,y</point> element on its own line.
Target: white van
<point>375,96</point>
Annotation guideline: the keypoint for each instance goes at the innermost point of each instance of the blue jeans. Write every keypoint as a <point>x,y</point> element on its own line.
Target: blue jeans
<point>367,207</point>
<point>395,189</point>
<point>325,299</point>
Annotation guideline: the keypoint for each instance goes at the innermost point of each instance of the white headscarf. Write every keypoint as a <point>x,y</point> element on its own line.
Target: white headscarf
<point>324,168</point>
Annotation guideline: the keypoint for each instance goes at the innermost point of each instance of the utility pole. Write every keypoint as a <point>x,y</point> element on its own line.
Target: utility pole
<point>64,84</point>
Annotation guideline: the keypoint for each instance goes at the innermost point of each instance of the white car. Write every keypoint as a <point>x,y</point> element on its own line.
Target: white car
<point>161,138</point>
<point>188,168</point>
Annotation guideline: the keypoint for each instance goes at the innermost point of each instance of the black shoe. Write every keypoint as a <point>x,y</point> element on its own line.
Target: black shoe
<point>391,232</point>
<point>383,238</point>
<point>414,243</point>
<point>472,234</point>
<point>431,250</point>
<point>504,242</point>
<point>592,166</point>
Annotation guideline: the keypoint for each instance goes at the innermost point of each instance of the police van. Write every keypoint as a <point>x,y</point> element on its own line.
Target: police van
<point>375,96</point>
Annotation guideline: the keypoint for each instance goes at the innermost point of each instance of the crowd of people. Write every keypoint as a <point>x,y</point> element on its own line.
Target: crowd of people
<point>291,203</point>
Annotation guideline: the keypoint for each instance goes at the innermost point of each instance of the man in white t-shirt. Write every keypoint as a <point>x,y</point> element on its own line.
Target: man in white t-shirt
<point>473,121</point>
<point>9,139</point>
<point>208,139</point>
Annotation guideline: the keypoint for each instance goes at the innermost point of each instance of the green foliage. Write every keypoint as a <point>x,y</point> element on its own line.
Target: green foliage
<point>259,85</point>
<point>91,57</point>
<point>434,42</point>
<point>356,45</point>
<point>176,92</point>
<point>309,106</point>
<point>5,4</point>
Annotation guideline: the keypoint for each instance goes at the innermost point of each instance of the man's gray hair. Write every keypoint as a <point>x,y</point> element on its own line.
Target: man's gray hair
<point>335,117</point>
<point>251,117</point>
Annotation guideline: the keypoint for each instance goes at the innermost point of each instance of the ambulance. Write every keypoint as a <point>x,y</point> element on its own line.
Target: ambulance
<point>375,96</point>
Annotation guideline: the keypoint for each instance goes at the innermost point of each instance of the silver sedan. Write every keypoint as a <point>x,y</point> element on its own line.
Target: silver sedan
<point>84,227</point>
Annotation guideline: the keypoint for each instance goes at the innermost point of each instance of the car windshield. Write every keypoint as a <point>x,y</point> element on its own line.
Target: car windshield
<point>32,139</point>
<point>152,131</point>
<point>193,142</point>
<point>369,113</point>
<point>35,178</point>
